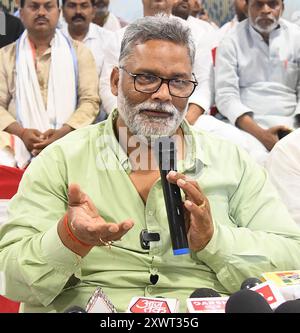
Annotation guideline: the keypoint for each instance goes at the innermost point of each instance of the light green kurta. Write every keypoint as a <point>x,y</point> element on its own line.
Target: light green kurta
<point>253,230</point>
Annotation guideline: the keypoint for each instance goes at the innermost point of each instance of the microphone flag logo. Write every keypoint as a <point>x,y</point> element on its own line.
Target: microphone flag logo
<point>144,305</point>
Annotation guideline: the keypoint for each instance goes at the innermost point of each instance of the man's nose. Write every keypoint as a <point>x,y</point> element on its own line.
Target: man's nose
<point>78,9</point>
<point>266,9</point>
<point>163,93</point>
<point>42,11</point>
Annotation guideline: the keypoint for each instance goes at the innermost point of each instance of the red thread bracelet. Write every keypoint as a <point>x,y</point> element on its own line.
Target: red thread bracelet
<point>70,233</point>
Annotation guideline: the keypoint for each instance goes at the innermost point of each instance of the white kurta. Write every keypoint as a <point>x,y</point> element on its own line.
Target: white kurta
<point>251,76</point>
<point>96,40</point>
<point>283,165</point>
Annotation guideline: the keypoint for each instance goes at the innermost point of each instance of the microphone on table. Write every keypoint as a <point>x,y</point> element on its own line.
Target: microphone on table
<point>292,306</point>
<point>247,301</point>
<point>100,303</point>
<point>204,292</point>
<point>250,283</point>
<point>270,292</point>
<point>206,300</point>
<point>153,305</point>
<point>166,151</point>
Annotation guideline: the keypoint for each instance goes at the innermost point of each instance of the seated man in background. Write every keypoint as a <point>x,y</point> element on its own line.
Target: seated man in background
<point>283,165</point>
<point>56,86</point>
<point>200,12</point>
<point>79,15</point>
<point>257,81</point>
<point>106,19</point>
<point>240,8</point>
<point>104,188</point>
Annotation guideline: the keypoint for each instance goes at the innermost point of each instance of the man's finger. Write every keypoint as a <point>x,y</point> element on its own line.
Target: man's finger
<point>191,190</point>
<point>49,132</point>
<point>76,196</point>
<point>173,176</point>
<point>113,232</point>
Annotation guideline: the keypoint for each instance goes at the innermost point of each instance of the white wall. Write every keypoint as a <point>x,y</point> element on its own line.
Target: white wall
<point>292,11</point>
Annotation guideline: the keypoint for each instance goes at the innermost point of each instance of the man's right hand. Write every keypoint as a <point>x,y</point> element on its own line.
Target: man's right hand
<point>87,225</point>
<point>30,137</point>
<point>269,137</point>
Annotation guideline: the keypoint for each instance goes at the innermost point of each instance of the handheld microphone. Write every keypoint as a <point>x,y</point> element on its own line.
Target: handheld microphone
<point>165,147</point>
<point>153,305</point>
<point>250,283</point>
<point>289,307</point>
<point>75,309</point>
<point>206,300</point>
<point>247,301</point>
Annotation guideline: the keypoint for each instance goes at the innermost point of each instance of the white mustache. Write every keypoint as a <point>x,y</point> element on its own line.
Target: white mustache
<point>159,107</point>
<point>271,18</point>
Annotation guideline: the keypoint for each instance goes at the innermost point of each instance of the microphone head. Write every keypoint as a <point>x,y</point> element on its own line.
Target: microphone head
<point>289,307</point>
<point>165,153</point>
<point>250,283</point>
<point>204,292</point>
<point>247,301</point>
<point>75,309</point>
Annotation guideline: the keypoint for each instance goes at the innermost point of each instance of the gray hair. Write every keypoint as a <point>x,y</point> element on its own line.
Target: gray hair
<point>158,27</point>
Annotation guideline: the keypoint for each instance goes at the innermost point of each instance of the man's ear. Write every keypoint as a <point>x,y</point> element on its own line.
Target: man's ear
<point>114,81</point>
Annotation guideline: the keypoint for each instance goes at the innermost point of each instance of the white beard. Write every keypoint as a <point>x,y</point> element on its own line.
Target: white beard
<point>266,30</point>
<point>144,126</point>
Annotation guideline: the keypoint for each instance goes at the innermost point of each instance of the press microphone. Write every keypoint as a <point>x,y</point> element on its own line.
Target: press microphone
<point>153,305</point>
<point>270,292</point>
<point>247,301</point>
<point>250,283</point>
<point>100,303</point>
<point>166,151</point>
<point>75,309</point>
<point>206,300</point>
<point>289,307</point>
<point>288,282</point>
<point>204,292</point>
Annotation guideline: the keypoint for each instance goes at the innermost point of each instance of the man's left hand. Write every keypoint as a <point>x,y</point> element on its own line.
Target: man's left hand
<point>199,224</point>
<point>50,136</point>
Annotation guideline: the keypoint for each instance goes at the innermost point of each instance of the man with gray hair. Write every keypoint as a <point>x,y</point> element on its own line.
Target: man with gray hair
<point>103,192</point>
<point>201,100</point>
<point>257,77</point>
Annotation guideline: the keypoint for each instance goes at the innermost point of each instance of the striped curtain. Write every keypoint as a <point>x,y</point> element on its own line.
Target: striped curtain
<point>220,11</point>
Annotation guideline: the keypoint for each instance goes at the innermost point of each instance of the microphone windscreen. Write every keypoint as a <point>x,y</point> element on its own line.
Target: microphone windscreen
<point>289,307</point>
<point>250,283</point>
<point>75,309</point>
<point>204,292</point>
<point>247,301</point>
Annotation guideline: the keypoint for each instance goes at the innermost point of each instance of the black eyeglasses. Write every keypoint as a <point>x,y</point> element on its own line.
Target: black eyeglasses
<point>150,84</point>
